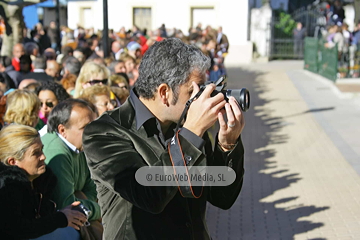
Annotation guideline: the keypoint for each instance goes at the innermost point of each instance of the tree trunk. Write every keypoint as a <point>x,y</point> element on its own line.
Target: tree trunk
<point>14,24</point>
<point>11,11</point>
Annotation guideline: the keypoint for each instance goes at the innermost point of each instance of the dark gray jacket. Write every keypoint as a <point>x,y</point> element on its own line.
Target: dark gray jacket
<point>115,150</point>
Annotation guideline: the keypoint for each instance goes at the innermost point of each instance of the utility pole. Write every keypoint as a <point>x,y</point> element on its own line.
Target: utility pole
<point>57,10</point>
<point>105,29</point>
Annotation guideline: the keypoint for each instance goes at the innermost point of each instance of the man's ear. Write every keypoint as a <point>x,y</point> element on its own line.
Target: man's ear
<point>62,130</point>
<point>164,93</point>
<point>11,161</point>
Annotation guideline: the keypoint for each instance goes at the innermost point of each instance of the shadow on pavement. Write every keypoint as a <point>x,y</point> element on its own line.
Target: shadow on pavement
<point>312,111</point>
<point>250,217</point>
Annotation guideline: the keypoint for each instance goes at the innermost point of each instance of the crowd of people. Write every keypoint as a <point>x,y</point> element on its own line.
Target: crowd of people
<point>47,98</point>
<point>337,34</point>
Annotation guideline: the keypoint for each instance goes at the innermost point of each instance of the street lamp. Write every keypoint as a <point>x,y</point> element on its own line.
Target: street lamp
<point>58,40</point>
<point>105,29</point>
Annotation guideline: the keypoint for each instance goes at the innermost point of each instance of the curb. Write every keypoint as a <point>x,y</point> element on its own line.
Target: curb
<point>332,85</point>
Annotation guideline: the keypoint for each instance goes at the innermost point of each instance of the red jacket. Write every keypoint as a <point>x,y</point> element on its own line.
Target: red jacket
<point>16,64</point>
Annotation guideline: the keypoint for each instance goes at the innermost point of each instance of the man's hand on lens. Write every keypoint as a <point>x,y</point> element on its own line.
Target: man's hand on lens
<point>230,131</point>
<point>203,112</point>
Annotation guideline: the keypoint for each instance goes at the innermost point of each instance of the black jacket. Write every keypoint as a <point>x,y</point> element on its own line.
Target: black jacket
<point>38,76</point>
<point>116,149</point>
<point>20,205</point>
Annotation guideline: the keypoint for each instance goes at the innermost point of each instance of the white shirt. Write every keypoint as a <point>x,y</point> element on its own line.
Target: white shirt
<point>72,147</point>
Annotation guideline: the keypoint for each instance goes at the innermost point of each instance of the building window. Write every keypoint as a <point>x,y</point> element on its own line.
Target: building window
<point>142,18</point>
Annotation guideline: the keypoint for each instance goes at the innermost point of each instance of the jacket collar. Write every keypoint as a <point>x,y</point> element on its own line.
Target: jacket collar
<point>143,114</point>
<point>12,174</point>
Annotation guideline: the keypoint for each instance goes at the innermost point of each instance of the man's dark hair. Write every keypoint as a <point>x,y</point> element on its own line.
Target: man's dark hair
<point>73,65</point>
<point>39,63</point>
<point>170,61</point>
<point>5,61</point>
<point>61,113</point>
<point>25,63</point>
<point>29,47</point>
<point>67,50</point>
<point>7,81</point>
<point>58,90</point>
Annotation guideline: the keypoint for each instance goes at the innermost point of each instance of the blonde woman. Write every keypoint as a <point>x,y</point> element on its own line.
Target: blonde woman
<point>22,107</point>
<point>91,74</point>
<point>25,190</point>
<point>99,95</point>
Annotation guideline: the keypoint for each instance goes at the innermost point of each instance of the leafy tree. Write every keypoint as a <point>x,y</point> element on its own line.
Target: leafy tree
<point>285,26</point>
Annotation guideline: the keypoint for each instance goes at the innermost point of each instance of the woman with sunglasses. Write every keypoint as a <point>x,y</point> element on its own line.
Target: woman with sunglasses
<point>25,190</point>
<point>91,74</point>
<point>50,94</point>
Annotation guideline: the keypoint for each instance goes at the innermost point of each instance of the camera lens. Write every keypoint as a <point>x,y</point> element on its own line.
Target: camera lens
<point>242,96</point>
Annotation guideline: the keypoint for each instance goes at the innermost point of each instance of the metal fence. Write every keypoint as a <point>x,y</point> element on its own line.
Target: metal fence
<point>282,44</point>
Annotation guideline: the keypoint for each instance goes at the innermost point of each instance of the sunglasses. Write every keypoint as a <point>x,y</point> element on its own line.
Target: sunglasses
<point>48,104</point>
<point>114,103</point>
<point>95,81</point>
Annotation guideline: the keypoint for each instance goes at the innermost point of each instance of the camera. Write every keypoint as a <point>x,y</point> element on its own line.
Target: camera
<point>242,96</point>
<point>81,208</point>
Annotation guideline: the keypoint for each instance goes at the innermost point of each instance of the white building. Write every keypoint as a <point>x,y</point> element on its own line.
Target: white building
<point>231,15</point>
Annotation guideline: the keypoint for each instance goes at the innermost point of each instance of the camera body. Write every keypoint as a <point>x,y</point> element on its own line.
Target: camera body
<point>81,208</point>
<point>242,96</point>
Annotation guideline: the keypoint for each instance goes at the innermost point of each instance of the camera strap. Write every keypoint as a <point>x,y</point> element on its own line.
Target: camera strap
<point>178,161</point>
<point>180,169</point>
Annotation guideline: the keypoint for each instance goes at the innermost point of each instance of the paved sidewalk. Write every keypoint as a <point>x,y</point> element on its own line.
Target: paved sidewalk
<point>302,171</point>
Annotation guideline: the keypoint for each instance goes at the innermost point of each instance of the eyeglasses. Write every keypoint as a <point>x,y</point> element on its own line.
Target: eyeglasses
<point>48,104</point>
<point>95,81</point>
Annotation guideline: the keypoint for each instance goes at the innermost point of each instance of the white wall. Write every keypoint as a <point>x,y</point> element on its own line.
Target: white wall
<point>260,30</point>
<point>231,15</point>
<point>75,12</point>
<point>350,16</point>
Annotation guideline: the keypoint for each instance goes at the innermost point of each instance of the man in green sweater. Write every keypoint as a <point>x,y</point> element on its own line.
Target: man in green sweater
<point>64,155</point>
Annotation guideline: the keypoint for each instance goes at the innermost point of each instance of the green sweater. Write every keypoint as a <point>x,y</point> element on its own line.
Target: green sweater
<point>72,173</point>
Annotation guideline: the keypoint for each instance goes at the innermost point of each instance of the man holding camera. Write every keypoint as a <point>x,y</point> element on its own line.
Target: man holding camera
<point>137,134</point>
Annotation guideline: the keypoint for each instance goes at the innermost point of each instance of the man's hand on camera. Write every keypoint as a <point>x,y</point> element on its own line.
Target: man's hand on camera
<point>230,131</point>
<point>203,112</point>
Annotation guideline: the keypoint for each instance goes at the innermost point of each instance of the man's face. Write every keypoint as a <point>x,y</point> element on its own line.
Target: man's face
<point>115,47</point>
<point>79,118</point>
<point>18,51</point>
<point>52,68</point>
<point>79,56</point>
<point>184,95</point>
